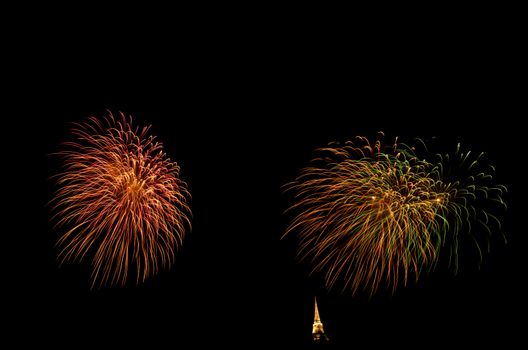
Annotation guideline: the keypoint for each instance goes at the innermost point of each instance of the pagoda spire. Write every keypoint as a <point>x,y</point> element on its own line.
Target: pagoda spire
<point>318,333</point>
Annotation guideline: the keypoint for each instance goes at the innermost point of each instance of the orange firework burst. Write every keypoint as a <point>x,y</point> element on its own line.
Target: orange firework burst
<point>122,201</point>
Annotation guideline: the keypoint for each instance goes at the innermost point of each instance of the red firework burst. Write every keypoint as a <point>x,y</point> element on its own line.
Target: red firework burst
<point>122,201</point>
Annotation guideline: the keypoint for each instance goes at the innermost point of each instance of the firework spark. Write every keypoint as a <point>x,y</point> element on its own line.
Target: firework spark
<point>368,215</point>
<point>122,201</point>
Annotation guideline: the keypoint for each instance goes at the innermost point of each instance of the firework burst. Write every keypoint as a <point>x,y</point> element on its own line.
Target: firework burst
<point>367,215</point>
<point>122,201</point>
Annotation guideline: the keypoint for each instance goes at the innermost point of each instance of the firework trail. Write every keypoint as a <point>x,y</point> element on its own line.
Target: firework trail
<point>121,200</point>
<point>367,215</point>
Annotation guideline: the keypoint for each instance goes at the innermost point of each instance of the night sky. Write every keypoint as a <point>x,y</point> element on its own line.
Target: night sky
<point>241,120</point>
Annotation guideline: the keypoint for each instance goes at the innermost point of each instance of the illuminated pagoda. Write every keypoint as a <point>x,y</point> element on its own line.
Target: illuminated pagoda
<point>318,333</point>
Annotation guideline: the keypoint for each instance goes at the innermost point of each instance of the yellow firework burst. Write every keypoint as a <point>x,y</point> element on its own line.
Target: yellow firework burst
<point>367,215</point>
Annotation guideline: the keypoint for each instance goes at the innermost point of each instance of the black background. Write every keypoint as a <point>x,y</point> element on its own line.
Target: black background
<point>241,113</point>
